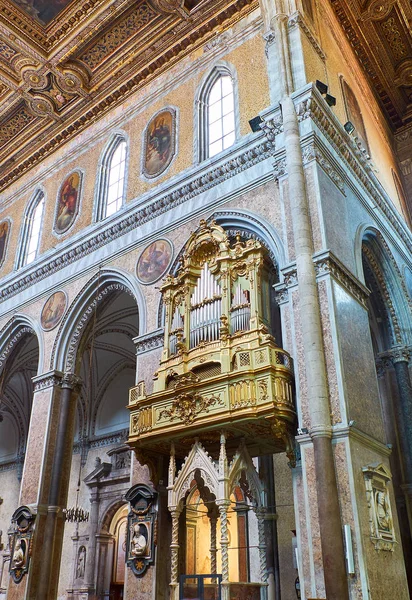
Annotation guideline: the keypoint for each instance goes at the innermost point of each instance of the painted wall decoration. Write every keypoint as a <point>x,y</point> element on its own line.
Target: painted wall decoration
<point>154,261</point>
<point>4,236</point>
<point>68,200</point>
<point>159,143</point>
<point>53,310</point>
<point>43,10</point>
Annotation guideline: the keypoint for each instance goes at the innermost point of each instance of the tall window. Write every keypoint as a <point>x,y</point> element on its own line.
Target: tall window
<point>31,229</point>
<point>112,178</point>
<point>217,117</point>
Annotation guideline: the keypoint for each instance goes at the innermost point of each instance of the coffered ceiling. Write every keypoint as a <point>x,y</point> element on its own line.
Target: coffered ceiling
<point>57,75</point>
<point>380,32</point>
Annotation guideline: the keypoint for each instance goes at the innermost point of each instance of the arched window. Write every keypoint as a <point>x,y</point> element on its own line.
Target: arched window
<point>217,113</point>
<point>31,229</point>
<point>112,178</point>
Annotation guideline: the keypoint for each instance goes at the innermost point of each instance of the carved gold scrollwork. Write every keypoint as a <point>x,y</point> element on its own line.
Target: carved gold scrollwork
<point>187,407</point>
<point>281,431</point>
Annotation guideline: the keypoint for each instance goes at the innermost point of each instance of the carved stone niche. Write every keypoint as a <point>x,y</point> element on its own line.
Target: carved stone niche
<point>141,528</point>
<point>120,457</point>
<point>20,540</point>
<point>382,533</point>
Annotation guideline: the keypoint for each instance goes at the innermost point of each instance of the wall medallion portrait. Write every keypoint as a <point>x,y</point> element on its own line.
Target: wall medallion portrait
<point>141,523</point>
<point>68,200</point>
<point>4,237</point>
<point>154,261</point>
<point>159,143</point>
<point>53,310</point>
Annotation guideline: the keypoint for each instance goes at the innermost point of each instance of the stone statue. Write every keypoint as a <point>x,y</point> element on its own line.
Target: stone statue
<point>139,541</point>
<point>382,512</point>
<point>18,555</point>
<point>81,562</point>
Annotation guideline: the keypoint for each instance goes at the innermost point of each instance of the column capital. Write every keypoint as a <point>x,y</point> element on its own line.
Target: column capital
<point>47,380</point>
<point>149,341</point>
<point>71,381</point>
<point>321,431</point>
<point>395,355</point>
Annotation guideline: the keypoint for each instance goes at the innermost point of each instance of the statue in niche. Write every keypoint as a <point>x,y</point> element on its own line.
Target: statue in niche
<point>139,540</point>
<point>19,554</point>
<point>382,512</point>
<point>81,563</point>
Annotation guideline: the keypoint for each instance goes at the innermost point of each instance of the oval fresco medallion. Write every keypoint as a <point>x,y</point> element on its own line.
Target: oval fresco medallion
<point>53,310</point>
<point>154,261</point>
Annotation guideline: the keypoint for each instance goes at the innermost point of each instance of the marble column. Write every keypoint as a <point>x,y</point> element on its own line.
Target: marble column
<point>35,482</point>
<point>400,359</point>
<point>174,549</point>
<point>48,542</point>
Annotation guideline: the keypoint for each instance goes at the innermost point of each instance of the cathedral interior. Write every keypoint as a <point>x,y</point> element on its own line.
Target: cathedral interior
<point>205,299</point>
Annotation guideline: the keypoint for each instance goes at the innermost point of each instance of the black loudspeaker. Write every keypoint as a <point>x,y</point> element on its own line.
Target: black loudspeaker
<point>255,123</point>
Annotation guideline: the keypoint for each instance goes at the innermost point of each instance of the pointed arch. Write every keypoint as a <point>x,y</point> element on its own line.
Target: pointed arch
<point>77,317</point>
<point>13,331</point>
<point>217,120</point>
<point>112,175</point>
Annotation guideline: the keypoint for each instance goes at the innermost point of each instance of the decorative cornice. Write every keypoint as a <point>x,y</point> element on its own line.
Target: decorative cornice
<point>137,217</point>
<point>282,293</point>
<point>311,152</point>
<point>326,263</point>
<point>297,20</point>
<point>47,380</point>
<point>353,155</point>
<point>290,276</point>
<point>149,341</point>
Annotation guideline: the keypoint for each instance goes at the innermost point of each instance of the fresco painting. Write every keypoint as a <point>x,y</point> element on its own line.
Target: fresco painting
<point>159,143</point>
<point>154,261</point>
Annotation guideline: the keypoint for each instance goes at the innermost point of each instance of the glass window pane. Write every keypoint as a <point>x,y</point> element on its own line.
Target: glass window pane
<point>215,112</point>
<point>215,148</point>
<point>228,123</point>
<point>229,140</point>
<point>114,174</point>
<point>216,92</point>
<point>228,105</point>
<point>215,131</point>
<point>227,86</point>
<point>111,209</point>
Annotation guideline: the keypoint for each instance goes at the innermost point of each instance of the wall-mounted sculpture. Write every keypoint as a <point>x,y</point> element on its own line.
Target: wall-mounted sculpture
<point>20,536</point>
<point>382,532</point>
<point>141,528</point>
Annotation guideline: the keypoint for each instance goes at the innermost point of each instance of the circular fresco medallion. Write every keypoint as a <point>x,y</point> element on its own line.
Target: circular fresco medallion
<point>53,310</point>
<point>154,261</point>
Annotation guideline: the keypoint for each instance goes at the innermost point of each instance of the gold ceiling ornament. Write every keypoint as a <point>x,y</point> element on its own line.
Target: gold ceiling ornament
<point>220,366</point>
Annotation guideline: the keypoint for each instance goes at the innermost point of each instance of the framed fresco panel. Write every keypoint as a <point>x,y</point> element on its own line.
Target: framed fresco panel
<point>4,238</point>
<point>53,310</point>
<point>68,199</point>
<point>154,261</point>
<point>354,113</point>
<point>159,145</point>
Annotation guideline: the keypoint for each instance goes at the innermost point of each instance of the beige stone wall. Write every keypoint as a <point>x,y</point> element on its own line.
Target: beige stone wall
<point>132,118</point>
<point>341,61</point>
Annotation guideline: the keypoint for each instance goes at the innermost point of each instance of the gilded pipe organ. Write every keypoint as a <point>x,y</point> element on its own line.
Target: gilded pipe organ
<point>222,395</point>
<point>220,366</point>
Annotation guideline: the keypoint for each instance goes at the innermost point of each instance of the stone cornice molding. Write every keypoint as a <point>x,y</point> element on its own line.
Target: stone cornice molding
<point>149,341</point>
<point>237,161</point>
<point>326,263</point>
<point>47,380</point>
<point>310,105</point>
<point>297,20</point>
<point>342,432</point>
<point>354,156</point>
